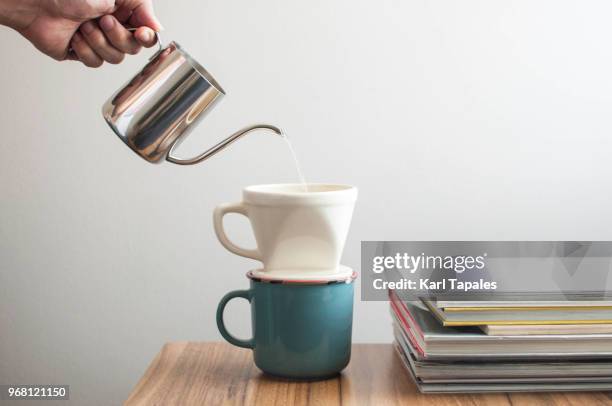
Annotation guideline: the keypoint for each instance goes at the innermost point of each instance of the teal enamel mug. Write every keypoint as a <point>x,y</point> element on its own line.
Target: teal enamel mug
<point>301,329</point>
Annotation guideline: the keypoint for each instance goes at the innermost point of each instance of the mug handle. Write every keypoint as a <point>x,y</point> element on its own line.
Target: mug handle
<point>218,214</point>
<point>245,294</point>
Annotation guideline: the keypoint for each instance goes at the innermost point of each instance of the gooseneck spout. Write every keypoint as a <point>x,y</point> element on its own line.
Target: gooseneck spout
<point>222,145</point>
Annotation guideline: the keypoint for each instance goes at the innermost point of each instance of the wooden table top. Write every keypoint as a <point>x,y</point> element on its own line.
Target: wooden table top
<point>188,373</point>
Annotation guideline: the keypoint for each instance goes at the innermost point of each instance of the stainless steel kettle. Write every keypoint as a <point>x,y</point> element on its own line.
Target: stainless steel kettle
<point>163,102</point>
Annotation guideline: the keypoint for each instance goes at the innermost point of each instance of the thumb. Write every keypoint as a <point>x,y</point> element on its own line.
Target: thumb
<point>144,15</point>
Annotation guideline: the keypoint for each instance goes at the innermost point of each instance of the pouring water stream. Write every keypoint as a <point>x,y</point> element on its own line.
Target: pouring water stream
<point>296,162</point>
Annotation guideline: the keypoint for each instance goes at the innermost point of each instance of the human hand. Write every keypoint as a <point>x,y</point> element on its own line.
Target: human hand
<point>91,31</point>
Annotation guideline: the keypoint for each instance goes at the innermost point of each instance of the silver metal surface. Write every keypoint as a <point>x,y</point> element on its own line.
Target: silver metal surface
<point>163,103</point>
<point>220,146</point>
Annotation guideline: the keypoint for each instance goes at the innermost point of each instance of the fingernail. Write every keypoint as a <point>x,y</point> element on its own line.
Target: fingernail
<point>88,27</point>
<point>76,37</point>
<point>107,23</point>
<point>148,36</point>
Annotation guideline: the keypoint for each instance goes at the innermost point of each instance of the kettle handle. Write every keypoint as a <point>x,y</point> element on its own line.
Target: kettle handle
<point>160,44</point>
<point>220,146</point>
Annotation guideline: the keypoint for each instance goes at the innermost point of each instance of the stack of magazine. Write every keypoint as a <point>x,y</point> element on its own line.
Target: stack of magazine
<point>504,345</point>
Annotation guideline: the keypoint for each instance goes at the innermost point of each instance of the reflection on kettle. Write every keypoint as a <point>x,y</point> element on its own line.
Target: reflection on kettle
<point>163,102</point>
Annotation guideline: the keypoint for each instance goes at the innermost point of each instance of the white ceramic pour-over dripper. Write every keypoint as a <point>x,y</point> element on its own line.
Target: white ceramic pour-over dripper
<point>298,232</point>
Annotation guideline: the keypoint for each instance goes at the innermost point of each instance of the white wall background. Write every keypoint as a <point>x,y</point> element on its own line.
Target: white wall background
<point>481,120</point>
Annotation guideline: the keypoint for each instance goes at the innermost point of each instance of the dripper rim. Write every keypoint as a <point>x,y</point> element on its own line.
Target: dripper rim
<point>296,281</point>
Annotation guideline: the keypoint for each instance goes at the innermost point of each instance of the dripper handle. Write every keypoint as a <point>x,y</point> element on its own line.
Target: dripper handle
<point>220,146</point>
<point>218,214</point>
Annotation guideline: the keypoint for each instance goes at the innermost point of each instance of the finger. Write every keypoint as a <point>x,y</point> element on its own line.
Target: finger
<point>144,15</point>
<point>71,56</point>
<point>123,14</point>
<point>84,52</point>
<point>118,36</point>
<point>97,41</point>
<point>146,37</point>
